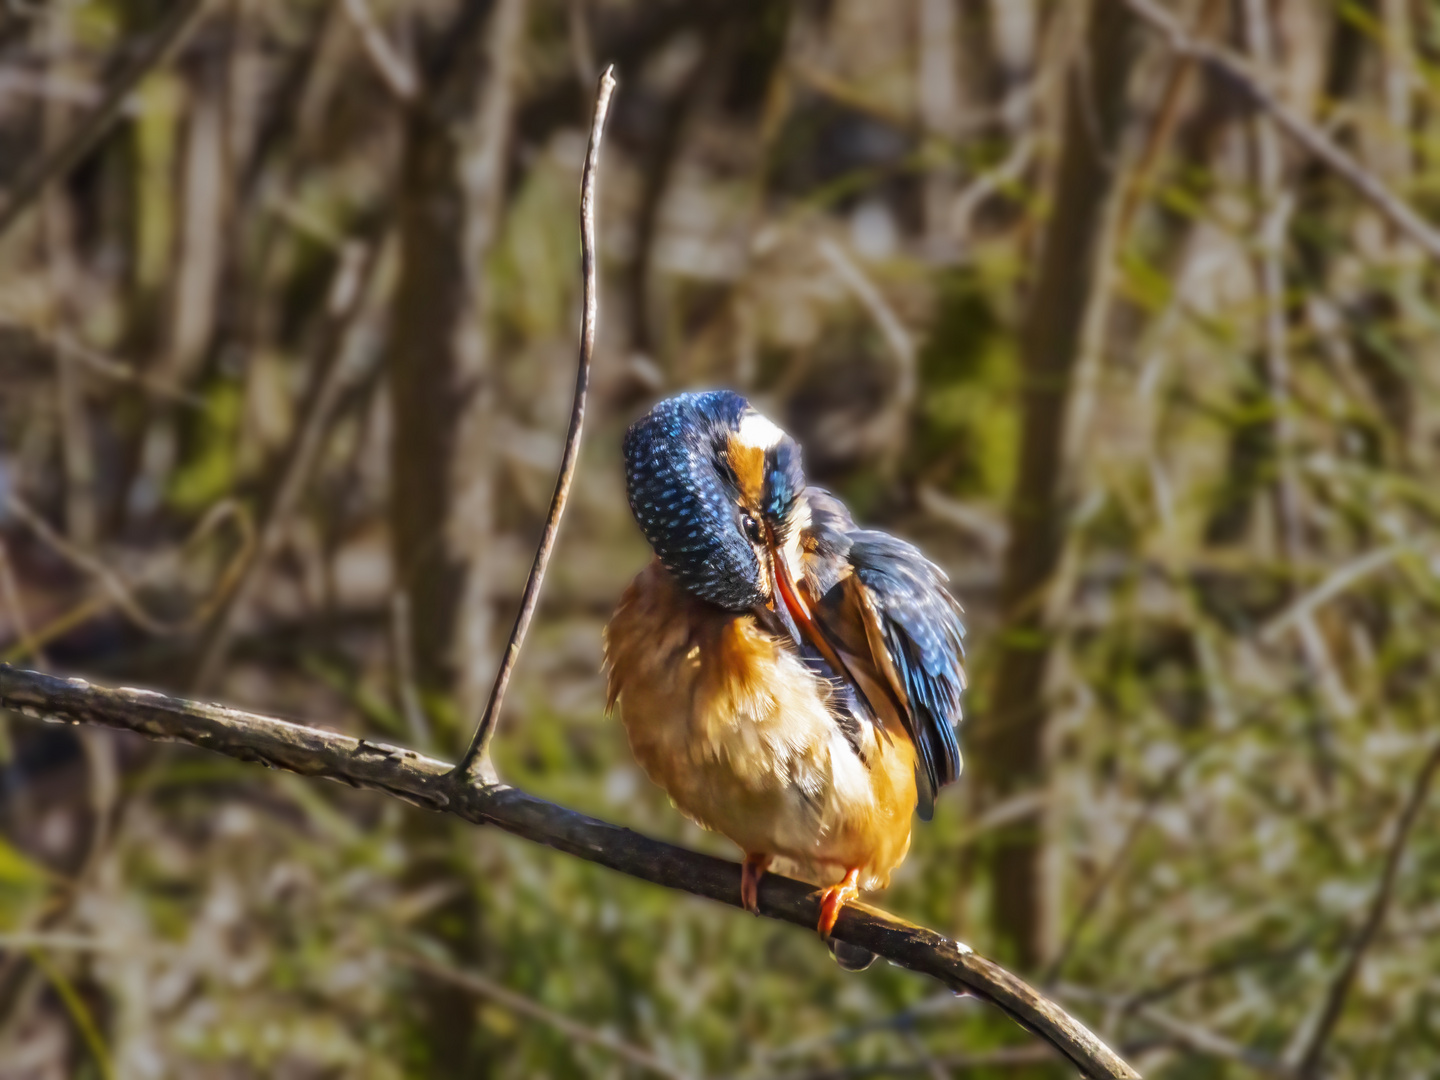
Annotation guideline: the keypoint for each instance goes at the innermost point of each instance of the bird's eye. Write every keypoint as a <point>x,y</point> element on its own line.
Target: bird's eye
<point>751,527</point>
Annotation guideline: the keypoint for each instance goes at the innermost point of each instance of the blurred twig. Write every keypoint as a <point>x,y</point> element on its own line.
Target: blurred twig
<point>428,783</point>
<point>984,526</point>
<point>394,71</point>
<point>346,300</point>
<point>62,276</point>
<point>1167,117</point>
<point>1204,1041</point>
<point>79,1012</point>
<point>1313,1050</point>
<point>475,764</point>
<point>402,650</point>
<point>1008,1056</point>
<point>1091,903</point>
<point>10,593</point>
<point>897,337</point>
<point>1274,211</point>
<point>1305,606</point>
<point>990,182</point>
<point>859,98</point>
<point>70,345</point>
<point>166,38</point>
<point>1220,59</point>
<point>1186,1033</point>
<point>904,1020</point>
<point>520,1004</point>
<point>925,1060</point>
<point>1250,958</point>
<point>121,592</point>
<point>44,939</point>
<point>582,47</point>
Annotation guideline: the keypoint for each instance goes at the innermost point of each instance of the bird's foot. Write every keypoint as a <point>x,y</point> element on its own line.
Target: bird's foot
<point>836,897</point>
<point>750,873</point>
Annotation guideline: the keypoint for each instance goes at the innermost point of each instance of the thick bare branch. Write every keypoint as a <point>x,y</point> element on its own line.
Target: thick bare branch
<point>429,783</point>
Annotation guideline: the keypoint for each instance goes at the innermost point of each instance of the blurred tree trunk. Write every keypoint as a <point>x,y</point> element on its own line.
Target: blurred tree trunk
<point>440,368</point>
<point>1052,340</point>
<point>442,386</point>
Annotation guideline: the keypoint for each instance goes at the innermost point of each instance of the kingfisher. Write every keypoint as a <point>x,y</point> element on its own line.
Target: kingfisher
<point>790,679</point>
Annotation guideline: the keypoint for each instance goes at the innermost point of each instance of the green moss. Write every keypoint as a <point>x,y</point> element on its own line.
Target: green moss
<point>968,423</point>
<point>209,473</point>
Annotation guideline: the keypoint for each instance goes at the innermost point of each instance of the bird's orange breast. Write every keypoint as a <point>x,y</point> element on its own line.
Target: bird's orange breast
<point>735,727</point>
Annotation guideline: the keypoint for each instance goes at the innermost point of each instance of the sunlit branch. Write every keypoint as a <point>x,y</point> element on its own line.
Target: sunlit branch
<point>425,782</point>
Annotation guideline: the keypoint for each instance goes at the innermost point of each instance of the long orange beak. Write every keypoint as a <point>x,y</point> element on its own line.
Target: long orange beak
<point>803,625</point>
<point>789,595</point>
<point>792,607</point>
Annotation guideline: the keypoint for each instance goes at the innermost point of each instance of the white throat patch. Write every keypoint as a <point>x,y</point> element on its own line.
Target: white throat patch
<point>757,433</point>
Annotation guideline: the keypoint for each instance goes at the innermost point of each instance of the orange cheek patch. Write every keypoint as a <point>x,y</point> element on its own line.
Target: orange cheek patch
<point>748,464</point>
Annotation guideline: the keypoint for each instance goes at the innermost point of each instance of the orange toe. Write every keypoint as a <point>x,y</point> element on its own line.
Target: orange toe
<point>836,897</point>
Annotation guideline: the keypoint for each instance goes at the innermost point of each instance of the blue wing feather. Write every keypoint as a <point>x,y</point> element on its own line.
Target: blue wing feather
<point>919,625</point>
<point>926,642</point>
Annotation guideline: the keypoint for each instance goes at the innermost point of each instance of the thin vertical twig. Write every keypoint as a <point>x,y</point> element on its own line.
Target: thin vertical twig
<point>475,765</point>
<point>1310,1056</point>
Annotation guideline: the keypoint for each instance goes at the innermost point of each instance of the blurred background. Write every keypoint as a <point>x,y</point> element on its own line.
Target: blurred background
<point>286,356</point>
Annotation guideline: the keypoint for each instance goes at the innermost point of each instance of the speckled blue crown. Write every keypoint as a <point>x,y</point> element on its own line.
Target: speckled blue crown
<point>675,475</point>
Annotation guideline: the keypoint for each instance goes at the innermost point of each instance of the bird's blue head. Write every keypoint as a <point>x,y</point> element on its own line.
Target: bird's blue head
<point>714,487</point>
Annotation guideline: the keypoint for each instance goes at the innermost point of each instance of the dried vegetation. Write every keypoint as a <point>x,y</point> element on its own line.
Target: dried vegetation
<point>286,351</point>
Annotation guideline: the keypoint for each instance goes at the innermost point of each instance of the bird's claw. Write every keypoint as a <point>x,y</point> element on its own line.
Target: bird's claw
<point>751,871</point>
<point>836,897</point>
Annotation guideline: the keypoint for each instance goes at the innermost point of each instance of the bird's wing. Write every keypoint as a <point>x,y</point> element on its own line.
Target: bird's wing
<point>896,629</point>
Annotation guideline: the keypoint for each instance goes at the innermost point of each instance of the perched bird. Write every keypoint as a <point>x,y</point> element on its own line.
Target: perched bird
<point>791,680</point>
